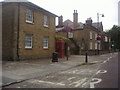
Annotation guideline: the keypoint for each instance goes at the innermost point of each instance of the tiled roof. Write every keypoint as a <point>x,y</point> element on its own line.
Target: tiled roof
<point>39,8</point>
<point>33,6</point>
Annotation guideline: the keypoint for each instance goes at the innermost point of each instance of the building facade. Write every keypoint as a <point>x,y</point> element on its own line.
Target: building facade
<point>28,31</point>
<point>84,35</point>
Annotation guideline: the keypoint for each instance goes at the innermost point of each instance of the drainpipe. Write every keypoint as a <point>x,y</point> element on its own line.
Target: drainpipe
<point>18,31</point>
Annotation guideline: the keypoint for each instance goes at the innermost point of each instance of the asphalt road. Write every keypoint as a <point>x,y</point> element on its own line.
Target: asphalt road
<point>107,75</point>
<point>101,74</point>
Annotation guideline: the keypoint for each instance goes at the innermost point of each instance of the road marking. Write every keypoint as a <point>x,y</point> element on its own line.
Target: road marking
<point>82,81</point>
<point>101,71</point>
<point>71,78</point>
<point>79,82</point>
<point>93,83</point>
<point>107,60</point>
<point>40,81</point>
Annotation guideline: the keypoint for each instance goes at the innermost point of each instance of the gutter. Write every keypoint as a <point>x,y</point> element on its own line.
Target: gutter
<point>18,31</point>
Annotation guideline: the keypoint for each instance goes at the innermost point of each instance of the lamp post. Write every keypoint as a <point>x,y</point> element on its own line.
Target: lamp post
<point>102,15</point>
<point>98,38</point>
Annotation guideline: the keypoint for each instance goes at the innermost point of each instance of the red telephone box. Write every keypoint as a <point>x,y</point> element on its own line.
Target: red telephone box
<point>60,47</point>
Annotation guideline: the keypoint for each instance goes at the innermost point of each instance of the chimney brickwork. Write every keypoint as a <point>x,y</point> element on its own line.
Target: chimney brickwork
<point>60,21</point>
<point>75,19</point>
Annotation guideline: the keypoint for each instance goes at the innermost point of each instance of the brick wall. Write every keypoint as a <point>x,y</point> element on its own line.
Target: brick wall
<point>11,33</point>
<point>8,31</point>
<point>38,31</point>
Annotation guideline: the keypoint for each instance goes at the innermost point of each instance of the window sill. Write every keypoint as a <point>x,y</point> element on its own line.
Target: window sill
<point>45,48</point>
<point>45,26</point>
<point>28,48</point>
<point>29,22</point>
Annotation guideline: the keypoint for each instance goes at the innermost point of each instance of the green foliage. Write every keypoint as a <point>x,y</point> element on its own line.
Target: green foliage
<point>62,37</point>
<point>114,33</point>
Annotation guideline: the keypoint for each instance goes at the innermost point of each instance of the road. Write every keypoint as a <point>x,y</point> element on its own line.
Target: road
<point>100,74</point>
<point>107,75</point>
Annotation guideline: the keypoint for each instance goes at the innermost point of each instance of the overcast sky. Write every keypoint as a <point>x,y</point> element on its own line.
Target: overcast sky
<point>85,9</point>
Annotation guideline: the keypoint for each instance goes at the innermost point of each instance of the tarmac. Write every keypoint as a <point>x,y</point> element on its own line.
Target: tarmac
<point>18,71</point>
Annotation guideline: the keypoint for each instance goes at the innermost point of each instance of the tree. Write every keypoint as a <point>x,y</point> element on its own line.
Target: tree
<point>114,33</point>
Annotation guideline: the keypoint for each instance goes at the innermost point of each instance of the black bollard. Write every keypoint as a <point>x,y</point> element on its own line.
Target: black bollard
<point>86,58</point>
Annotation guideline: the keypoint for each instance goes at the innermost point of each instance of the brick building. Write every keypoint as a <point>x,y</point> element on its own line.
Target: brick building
<point>83,35</point>
<point>28,31</point>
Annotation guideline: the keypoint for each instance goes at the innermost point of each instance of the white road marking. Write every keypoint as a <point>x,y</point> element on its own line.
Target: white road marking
<point>93,83</point>
<point>71,78</point>
<point>84,84</point>
<point>105,61</point>
<point>101,71</point>
<point>79,82</point>
<point>40,81</point>
<point>82,81</point>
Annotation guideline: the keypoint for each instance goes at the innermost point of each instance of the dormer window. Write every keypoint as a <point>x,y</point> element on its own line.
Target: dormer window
<point>29,16</point>
<point>45,21</point>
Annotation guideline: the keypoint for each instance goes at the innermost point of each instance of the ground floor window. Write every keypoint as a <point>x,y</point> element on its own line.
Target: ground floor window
<point>96,45</point>
<point>45,42</point>
<point>91,45</point>
<point>28,41</point>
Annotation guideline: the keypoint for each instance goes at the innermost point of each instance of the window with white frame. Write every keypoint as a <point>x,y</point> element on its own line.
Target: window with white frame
<point>91,45</point>
<point>106,39</point>
<point>29,16</point>
<point>96,45</point>
<point>28,41</point>
<point>95,36</point>
<point>45,21</point>
<point>45,42</point>
<point>70,35</point>
<point>109,39</point>
<point>90,35</point>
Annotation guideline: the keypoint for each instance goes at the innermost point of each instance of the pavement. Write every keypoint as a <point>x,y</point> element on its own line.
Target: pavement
<point>18,71</point>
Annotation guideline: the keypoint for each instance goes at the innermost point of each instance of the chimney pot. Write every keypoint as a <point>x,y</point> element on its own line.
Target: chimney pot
<point>74,11</point>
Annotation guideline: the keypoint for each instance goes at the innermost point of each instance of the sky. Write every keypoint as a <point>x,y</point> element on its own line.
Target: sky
<point>85,9</point>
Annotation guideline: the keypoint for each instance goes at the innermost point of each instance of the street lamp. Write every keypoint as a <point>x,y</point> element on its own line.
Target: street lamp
<point>98,38</point>
<point>102,15</point>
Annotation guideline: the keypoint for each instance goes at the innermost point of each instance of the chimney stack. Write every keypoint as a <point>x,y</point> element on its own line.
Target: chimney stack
<point>60,21</point>
<point>75,19</point>
<point>89,21</point>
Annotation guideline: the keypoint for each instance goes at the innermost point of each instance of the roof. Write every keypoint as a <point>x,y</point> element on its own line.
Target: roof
<point>96,24</point>
<point>70,24</point>
<point>33,6</point>
<point>64,29</point>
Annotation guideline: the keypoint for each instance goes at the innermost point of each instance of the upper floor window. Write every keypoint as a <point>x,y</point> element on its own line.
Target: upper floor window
<point>45,21</point>
<point>90,35</point>
<point>29,16</point>
<point>106,39</point>
<point>28,41</point>
<point>95,36</point>
<point>70,35</point>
